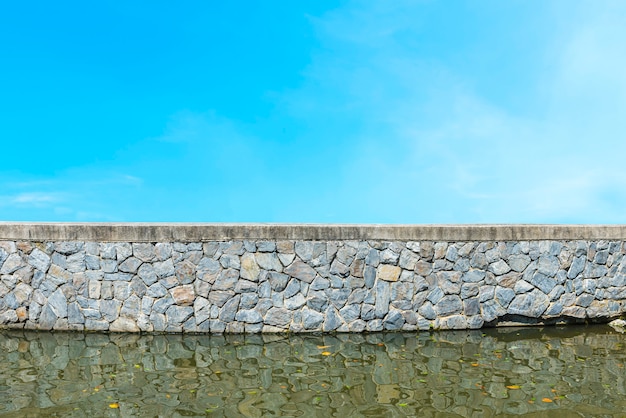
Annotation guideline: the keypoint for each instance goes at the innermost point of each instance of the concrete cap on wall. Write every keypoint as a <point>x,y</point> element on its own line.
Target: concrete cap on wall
<point>196,232</point>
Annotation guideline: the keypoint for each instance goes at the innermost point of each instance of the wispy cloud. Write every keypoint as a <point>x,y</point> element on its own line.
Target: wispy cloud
<point>452,143</point>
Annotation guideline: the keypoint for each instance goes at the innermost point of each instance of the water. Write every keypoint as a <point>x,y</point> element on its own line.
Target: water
<point>541,372</point>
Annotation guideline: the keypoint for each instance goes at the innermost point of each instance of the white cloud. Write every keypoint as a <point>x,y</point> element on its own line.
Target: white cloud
<point>433,137</point>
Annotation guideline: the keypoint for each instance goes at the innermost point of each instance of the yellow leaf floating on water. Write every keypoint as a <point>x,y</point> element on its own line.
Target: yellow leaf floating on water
<point>114,405</point>
<point>326,353</point>
<point>322,346</point>
<point>474,364</point>
<point>513,387</point>
<point>547,400</point>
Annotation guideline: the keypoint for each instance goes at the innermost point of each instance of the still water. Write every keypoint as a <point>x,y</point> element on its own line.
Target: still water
<point>538,372</point>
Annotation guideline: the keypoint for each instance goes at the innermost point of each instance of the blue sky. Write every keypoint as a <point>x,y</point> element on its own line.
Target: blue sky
<point>313,111</point>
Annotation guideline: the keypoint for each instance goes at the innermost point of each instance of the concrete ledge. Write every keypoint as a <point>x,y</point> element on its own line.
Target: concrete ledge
<point>195,232</point>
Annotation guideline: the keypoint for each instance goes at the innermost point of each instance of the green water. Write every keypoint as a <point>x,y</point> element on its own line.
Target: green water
<point>538,372</point>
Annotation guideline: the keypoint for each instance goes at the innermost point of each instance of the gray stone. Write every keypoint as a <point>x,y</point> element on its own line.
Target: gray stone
<point>449,305</point>
<point>295,302</point>
<point>389,257</point>
<point>317,300</point>
<point>555,309</point>
<point>556,293</point>
<point>269,261</point>
<point>219,297</point>
<point>369,275</point>
<point>340,269</point>
<point>471,306</point>
<point>144,251</point>
<point>311,320</point>
<point>601,257</point>
<point>176,315</point>
<point>278,281</point>
<point>266,246</point>
<point>475,322</point>
<point>469,290</point>
<point>130,265</point>
<point>157,290</point>
<point>249,316</point>
<point>110,309</point>
<point>548,265</point>
<point>230,261</point>
<point>372,258</point>
<point>504,295</point>
<point>449,282</point>
<point>286,259</point>
<point>92,262</point>
<point>249,268</point>
<point>543,283</point>
<point>164,268</point>
<point>577,267</point>
<point>69,247</point>
<point>11,264</point>
<point>121,290</point>
<point>248,300</point>
<point>473,276</point>
<point>245,286</point>
<point>393,321</point>
<point>76,262</point>
<point>593,271</point>
<point>123,250</point>
<point>124,324</point>
<point>479,261</point>
<point>332,320</point>
<point>339,297</point>
<point>453,322</point>
<point>40,260</point>
<point>350,313</point>
<point>345,255</point>
<point>519,262</point>
<point>278,317</point>
<point>58,303</point>
<point>304,250</point>
<point>265,290</point>
<point>229,310</point>
<point>201,309</point>
<point>427,311</point>
<point>522,286</point>
<point>420,284</point>
<point>319,283</point>
<point>383,297</point>
<point>584,300</point>
<point>531,304</point>
<point>435,295</point>
<point>499,267</point>
<point>226,280</point>
<point>96,324</point>
<point>292,288</point>
<point>491,310</point>
<point>301,271</point>
<point>47,318</point>
<point>452,254</point>
<point>163,251</point>
<point>74,314</point>
<point>161,305</point>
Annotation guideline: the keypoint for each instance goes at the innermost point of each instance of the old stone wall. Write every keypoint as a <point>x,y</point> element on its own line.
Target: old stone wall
<point>264,285</point>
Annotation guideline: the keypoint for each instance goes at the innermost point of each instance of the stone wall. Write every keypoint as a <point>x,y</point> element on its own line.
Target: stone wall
<point>260,285</point>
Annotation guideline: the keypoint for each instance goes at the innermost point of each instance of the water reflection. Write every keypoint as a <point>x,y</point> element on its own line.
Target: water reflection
<point>573,371</point>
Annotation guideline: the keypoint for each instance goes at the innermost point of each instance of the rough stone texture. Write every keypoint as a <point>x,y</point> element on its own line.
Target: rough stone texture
<point>265,285</point>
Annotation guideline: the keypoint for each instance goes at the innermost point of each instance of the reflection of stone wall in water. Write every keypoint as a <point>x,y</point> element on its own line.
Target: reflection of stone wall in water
<point>464,373</point>
<point>304,286</point>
